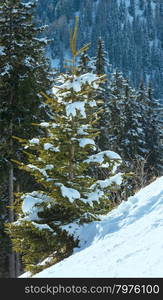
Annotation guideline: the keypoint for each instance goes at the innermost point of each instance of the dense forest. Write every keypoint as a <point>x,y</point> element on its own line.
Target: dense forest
<point>80,119</point>
<point>131,29</point>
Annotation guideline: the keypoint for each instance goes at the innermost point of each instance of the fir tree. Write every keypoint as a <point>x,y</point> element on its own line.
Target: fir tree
<point>132,8</point>
<point>60,161</point>
<point>125,128</point>
<point>101,58</point>
<point>123,25</point>
<point>84,63</point>
<point>149,116</point>
<point>101,68</point>
<point>141,4</point>
<point>124,121</point>
<point>114,112</point>
<point>133,141</point>
<point>153,133</point>
<point>23,73</point>
<point>5,242</point>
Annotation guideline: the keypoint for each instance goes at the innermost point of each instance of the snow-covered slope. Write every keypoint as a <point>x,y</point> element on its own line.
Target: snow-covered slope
<point>126,243</point>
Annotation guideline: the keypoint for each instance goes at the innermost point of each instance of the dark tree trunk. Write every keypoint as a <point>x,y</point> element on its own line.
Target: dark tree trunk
<point>11,218</point>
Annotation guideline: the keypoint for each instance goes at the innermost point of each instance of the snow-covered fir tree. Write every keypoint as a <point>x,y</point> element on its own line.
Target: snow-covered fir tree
<point>133,141</point>
<point>124,116</point>
<point>101,64</point>
<point>125,131</point>
<point>84,64</point>
<point>60,163</point>
<point>23,73</point>
<point>133,128</point>
<point>153,133</point>
<point>114,112</point>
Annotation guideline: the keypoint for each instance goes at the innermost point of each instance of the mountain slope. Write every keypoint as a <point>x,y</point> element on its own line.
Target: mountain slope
<point>131,29</point>
<point>126,243</point>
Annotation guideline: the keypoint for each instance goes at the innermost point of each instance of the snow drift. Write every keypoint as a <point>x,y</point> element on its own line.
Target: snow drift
<point>125,243</point>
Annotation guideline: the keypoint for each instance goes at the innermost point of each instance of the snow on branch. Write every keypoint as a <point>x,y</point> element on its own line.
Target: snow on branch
<point>69,193</point>
<point>103,158</point>
<point>31,204</point>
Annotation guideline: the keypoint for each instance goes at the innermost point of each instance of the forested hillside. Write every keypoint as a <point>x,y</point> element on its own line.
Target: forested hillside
<point>131,29</point>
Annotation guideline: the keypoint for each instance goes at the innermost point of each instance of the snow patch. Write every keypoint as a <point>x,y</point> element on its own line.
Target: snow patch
<point>102,157</point>
<point>49,146</point>
<point>41,170</point>
<point>34,141</point>
<point>81,130</point>
<point>30,204</point>
<point>42,226</point>
<point>44,124</point>
<point>73,108</point>
<point>69,193</point>
<point>2,50</point>
<point>127,242</point>
<point>116,179</point>
<point>84,142</point>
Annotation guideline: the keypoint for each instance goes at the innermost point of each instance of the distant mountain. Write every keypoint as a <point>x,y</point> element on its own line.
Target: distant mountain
<point>131,29</point>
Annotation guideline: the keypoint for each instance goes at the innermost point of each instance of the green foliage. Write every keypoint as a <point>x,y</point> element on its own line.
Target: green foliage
<point>60,161</point>
<point>5,241</point>
<point>101,61</point>
<point>23,73</point>
<point>36,244</point>
<point>132,128</point>
<point>153,133</point>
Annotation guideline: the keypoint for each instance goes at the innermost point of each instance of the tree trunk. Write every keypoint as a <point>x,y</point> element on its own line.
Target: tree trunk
<point>11,218</point>
<point>11,168</point>
<point>12,265</point>
<point>17,255</point>
<point>17,265</point>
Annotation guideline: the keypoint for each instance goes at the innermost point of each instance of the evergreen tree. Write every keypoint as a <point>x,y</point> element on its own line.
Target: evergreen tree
<point>125,127</point>
<point>129,29</point>
<point>84,63</point>
<point>101,68</point>
<point>133,129</point>
<point>133,140</point>
<point>125,122</point>
<point>4,244</point>
<point>132,8</point>
<point>114,113</point>
<point>23,73</point>
<point>101,60</point>
<point>153,133</point>
<point>149,117</point>
<point>60,161</point>
<point>141,4</point>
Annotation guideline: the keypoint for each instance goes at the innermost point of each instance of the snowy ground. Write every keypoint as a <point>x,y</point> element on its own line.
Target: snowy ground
<point>126,243</point>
